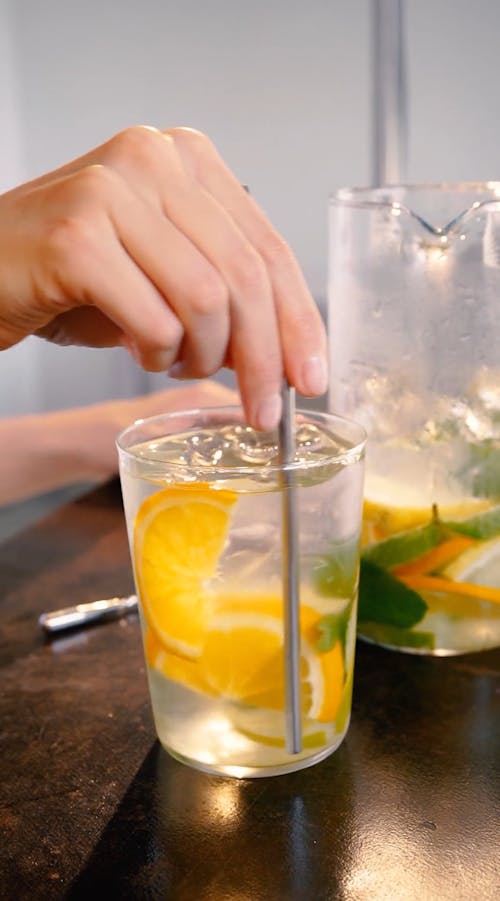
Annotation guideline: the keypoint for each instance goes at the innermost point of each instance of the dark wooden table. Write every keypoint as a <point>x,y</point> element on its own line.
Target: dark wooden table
<point>91,806</point>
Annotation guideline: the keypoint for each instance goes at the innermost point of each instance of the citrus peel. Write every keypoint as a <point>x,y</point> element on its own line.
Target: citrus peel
<point>179,537</point>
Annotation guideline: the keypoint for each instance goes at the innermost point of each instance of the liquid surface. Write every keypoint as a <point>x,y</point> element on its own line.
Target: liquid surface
<point>240,445</point>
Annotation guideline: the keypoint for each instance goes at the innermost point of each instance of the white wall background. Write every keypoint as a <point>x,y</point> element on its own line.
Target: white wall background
<point>282,87</point>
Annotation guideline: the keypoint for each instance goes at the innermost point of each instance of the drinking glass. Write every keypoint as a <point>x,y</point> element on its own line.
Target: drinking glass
<point>203,496</point>
<point>414,290</point>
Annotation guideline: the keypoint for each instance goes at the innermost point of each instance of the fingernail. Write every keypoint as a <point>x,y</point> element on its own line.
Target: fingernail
<point>130,345</point>
<point>152,360</point>
<point>269,413</point>
<point>176,371</point>
<point>158,360</point>
<point>315,375</point>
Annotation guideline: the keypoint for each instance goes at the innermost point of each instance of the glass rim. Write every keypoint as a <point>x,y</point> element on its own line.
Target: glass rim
<point>485,195</point>
<point>349,455</point>
<point>360,195</point>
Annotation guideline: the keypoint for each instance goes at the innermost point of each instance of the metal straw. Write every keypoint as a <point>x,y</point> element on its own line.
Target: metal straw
<point>390,101</point>
<point>290,550</point>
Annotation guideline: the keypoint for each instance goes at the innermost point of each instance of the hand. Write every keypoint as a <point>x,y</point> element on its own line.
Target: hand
<point>150,241</point>
<point>44,451</point>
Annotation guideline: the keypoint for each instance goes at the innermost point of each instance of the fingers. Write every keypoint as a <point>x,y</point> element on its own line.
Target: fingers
<point>180,265</point>
<point>252,322</point>
<point>234,284</point>
<point>242,296</point>
<point>85,263</point>
<point>203,265</point>
<point>216,282</point>
<point>189,285</point>
<point>129,188</point>
<point>302,333</point>
<point>85,325</point>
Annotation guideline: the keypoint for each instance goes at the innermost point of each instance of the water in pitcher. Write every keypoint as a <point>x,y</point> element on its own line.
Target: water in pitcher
<point>432,522</point>
<point>415,281</point>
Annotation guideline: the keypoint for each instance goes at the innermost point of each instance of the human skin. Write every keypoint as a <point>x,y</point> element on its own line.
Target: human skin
<point>150,241</point>
<point>45,451</point>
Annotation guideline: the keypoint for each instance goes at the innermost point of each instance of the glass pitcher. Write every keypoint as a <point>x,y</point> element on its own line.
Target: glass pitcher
<point>414,313</point>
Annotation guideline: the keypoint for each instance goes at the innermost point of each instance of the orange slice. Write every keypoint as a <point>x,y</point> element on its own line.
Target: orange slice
<point>179,536</point>
<point>242,657</point>
<point>435,558</point>
<point>178,669</point>
<point>447,586</point>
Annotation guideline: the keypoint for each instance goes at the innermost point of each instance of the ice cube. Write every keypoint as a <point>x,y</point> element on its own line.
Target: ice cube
<point>256,447</point>
<point>448,420</point>
<point>204,449</point>
<point>475,418</point>
<point>310,441</point>
<point>253,554</point>
<point>308,435</point>
<point>257,536</point>
<point>486,388</point>
<point>388,406</point>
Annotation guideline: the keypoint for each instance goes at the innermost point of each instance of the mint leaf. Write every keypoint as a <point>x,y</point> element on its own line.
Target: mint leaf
<point>483,469</point>
<point>333,628</point>
<point>483,525</point>
<point>384,599</point>
<point>335,574</point>
<point>393,635</point>
<point>405,546</point>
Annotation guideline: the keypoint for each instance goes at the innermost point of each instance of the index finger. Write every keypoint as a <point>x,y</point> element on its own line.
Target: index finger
<point>302,331</point>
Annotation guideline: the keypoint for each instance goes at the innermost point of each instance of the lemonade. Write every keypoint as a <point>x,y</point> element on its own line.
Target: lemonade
<point>203,501</point>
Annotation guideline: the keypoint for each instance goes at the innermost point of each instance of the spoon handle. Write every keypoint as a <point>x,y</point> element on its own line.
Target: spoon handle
<point>83,614</point>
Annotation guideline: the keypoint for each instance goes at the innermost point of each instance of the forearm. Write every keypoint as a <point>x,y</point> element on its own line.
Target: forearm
<point>46,451</point>
<point>51,450</point>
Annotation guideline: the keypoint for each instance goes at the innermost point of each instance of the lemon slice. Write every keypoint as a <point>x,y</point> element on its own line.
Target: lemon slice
<point>179,536</point>
<point>382,520</point>
<point>178,669</point>
<point>242,657</point>
<point>479,565</point>
<point>268,727</point>
<point>399,514</point>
